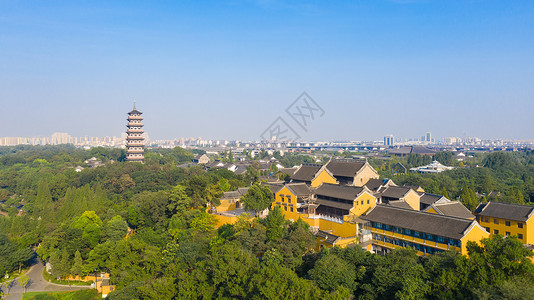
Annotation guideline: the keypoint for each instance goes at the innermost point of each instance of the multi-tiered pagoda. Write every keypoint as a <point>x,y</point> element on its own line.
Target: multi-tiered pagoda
<point>135,141</point>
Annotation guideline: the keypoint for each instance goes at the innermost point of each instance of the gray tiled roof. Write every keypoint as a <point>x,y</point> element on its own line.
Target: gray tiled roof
<point>289,171</point>
<point>395,192</point>
<point>505,211</point>
<point>300,189</point>
<point>336,204</point>
<point>329,238</point>
<point>338,191</point>
<point>373,184</point>
<point>344,168</point>
<point>306,172</point>
<point>400,204</point>
<point>454,209</point>
<point>274,187</point>
<point>429,199</point>
<point>419,221</point>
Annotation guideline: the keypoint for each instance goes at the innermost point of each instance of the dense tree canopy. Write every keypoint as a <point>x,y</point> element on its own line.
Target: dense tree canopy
<point>147,224</point>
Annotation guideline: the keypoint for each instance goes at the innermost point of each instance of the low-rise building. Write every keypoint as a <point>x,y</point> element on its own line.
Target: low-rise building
<point>507,219</point>
<point>393,227</point>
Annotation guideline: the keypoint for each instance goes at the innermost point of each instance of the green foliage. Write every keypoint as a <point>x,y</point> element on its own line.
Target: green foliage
<point>80,220</point>
<point>257,198</point>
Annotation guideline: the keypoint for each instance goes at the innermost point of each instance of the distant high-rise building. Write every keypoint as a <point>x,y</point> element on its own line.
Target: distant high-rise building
<point>389,140</point>
<point>135,150</point>
<point>428,136</point>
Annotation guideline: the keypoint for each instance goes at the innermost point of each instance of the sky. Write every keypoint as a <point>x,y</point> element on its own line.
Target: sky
<point>229,69</point>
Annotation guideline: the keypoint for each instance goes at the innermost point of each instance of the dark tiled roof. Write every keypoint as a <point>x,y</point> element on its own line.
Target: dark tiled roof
<point>135,111</point>
<point>422,150</point>
<point>505,211</point>
<point>395,192</point>
<point>400,204</point>
<point>373,184</point>
<point>338,191</point>
<point>306,172</point>
<point>429,199</point>
<point>300,189</point>
<point>274,187</point>
<point>336,204</point>
<point>329,238</point>
<point>344,168</point>
<point>419,221</point>
<point>289,171</point>
<point>453,209</point>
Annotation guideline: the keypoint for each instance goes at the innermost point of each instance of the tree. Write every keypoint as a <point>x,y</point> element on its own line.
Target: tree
<point>77,267</point>
<point>469,198</point>
<point>275,224</point>
<point>258,198</point>
<point>115,229</point>
<point>331,271</point>
<point>178,200</point>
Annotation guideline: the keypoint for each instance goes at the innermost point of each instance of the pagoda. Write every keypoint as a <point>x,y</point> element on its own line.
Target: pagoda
<point>134,140</point>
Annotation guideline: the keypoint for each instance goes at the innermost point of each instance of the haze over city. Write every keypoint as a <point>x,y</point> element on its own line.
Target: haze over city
<point>226,70</point>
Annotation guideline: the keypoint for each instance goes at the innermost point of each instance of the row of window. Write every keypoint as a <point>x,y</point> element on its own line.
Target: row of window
<point>406,244</point>
<point>285,207</point>
<point>417,234</point>
<point>507,233</point>
<point>356,202</point>
<point>287,196</point>
<point>496,221</point>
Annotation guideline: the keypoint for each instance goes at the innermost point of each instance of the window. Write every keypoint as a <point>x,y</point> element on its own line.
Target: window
<point>495,231</point>
<point>356,203</point>
<point>488,229</point>
<point>486,219</point>
<point>288,198</point>
<point>507,233</point>
<point>367,201</point>
<point>519,225</point>
<point>291,209</point>
<point>507,223</point>
<point>285,208</point>
<point>362,202</point>
<point>520,236</point>
<point>495,221</point>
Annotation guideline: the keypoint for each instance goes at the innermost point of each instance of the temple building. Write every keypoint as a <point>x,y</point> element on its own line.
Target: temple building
<point>135,141</point>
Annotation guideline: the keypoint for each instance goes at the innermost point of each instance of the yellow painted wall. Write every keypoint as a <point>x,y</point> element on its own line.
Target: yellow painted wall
<point>431,210</point>
<point>527,231</point>
<point>286,209</point>
<point>323,177</point>
<point>362,204</point>
<point>475,234</point>
<point>413,199</point>
<point>366,173</point>
<point>227,205</point>
<point>530,231</point>
<point>341,243</point>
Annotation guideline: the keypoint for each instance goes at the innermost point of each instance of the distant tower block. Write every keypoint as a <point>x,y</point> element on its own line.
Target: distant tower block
<point>135,150</point>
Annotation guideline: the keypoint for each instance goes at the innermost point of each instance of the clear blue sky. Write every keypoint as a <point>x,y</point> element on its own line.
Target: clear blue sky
<point>227,69</point>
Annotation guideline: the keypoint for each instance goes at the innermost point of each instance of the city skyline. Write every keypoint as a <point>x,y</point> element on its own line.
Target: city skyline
<point>226,70</point>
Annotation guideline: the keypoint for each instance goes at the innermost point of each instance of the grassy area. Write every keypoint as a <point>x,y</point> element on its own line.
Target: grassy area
<point>53,279</point>
<point>76,295</point>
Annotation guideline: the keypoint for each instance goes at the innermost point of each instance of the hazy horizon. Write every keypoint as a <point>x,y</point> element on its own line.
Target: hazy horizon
<point>227,70</point>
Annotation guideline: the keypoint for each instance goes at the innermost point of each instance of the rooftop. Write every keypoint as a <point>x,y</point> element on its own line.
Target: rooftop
<point>345,168</point>
<point>441,225</point>
<point>338,191</point>
<point>514,212</point>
